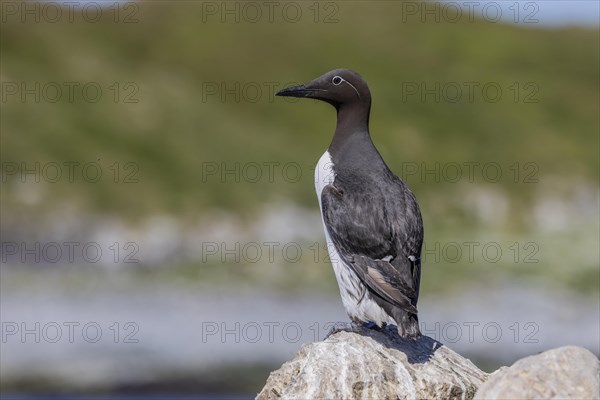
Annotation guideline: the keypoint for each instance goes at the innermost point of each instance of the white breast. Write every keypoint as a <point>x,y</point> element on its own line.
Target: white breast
<point>358,304</point>
<point>324,174</point>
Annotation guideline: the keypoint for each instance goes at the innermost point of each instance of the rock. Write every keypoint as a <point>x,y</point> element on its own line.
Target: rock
<point>566,372</point>
<point>374,365</point>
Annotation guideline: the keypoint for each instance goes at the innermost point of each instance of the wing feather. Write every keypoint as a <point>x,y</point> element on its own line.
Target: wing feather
<point>376,239</point>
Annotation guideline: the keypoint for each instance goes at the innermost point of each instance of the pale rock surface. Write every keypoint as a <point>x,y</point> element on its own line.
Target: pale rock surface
<point>368,364</point>
<point>564,373</point>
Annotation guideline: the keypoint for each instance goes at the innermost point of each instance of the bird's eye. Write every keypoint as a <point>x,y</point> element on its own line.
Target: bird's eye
<point>336,80</point>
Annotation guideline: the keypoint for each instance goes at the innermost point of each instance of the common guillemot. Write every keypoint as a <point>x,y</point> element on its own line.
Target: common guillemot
<point>372,221</point>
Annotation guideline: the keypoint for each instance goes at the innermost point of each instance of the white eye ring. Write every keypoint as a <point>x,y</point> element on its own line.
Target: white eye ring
<point>337,80</point>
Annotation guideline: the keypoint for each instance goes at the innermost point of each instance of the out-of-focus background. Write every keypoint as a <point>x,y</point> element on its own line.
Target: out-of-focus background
<point>160,230</point>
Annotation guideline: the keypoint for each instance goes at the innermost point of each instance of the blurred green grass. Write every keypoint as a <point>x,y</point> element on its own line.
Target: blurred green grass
<point>171,55</point>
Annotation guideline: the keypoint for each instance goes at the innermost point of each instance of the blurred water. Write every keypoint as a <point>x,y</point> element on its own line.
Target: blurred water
<point>106,325</point>
<point>178,330</point>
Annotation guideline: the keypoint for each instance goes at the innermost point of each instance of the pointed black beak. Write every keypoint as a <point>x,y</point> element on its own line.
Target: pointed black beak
<point>298,91</point>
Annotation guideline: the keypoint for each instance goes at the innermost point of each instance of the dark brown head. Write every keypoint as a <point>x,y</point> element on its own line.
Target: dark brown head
<point>339,87</point>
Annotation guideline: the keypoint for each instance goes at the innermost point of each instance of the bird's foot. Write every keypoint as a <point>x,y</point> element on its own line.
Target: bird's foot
<point>358,327</point>
<point>372,325</point>
<point>392,331</point>
<point>344,326</point>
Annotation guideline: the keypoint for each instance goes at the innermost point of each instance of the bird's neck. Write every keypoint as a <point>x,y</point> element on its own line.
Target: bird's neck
<point>352,126</point>
<point>352,118</point>
<point>352,144</point>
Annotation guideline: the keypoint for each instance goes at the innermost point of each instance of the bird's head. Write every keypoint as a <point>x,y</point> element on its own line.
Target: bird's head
<point>338,87</point>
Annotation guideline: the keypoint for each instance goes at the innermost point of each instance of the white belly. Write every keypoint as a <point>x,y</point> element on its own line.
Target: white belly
<point>356,299</point>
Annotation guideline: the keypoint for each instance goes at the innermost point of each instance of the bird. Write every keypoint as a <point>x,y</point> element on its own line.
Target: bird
<point>372,221</point>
